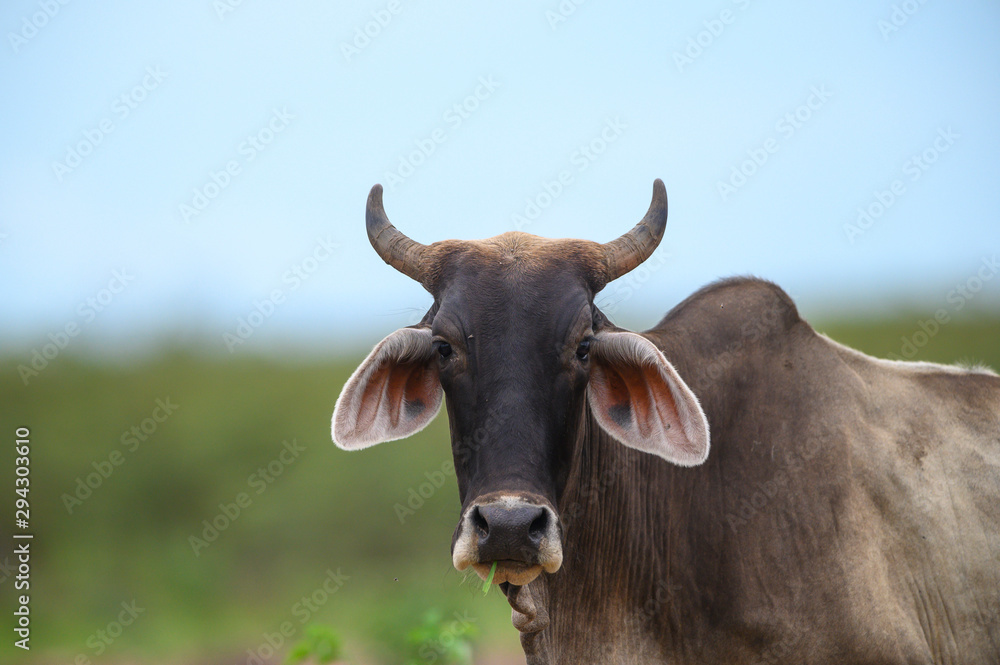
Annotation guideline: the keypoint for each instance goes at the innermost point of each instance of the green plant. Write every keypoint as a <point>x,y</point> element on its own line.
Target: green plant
<point>321,643</point>
<point>440,640</point>
<point>489,580</point>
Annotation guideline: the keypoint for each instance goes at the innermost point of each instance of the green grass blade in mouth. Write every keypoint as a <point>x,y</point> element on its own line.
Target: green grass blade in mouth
<point>486,586</point>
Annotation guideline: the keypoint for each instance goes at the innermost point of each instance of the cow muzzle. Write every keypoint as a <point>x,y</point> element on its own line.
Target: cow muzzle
<point>519,533</point>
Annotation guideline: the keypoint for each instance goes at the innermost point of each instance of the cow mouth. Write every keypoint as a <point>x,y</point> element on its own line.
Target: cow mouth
<point>514,572</point>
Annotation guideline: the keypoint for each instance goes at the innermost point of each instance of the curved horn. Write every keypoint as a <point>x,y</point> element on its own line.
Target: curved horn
<point>396,249</point>
<point>631,249</point>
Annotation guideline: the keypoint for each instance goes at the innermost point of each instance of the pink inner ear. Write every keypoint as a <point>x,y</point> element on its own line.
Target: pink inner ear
<point>395,391</point>
<point>662,399</point>
<point>420,391</point>
<point>636,397</point>
<point>403,390</point>
<point>371,400</point>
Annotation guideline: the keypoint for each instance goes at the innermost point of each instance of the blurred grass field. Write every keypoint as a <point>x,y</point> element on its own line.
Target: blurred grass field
<point>326,511</point>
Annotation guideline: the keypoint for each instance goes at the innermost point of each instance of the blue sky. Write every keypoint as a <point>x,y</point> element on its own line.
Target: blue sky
<point>771,124</point>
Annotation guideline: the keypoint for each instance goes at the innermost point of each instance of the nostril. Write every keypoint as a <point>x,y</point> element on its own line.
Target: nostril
<point>539,526</point>
<point>482,526</point>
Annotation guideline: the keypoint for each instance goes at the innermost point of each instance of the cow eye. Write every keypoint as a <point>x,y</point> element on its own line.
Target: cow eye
<point>583,351</point>
<point>443,349</point>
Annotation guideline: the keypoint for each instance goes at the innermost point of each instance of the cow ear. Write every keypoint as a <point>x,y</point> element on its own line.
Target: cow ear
<point>394,393</point>
<point>640,400</point>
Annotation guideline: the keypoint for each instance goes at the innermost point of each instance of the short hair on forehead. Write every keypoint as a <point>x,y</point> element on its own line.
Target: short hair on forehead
<point>519,254</point>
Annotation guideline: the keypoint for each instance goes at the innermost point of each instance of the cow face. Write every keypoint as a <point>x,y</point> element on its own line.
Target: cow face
<point>516,345</point>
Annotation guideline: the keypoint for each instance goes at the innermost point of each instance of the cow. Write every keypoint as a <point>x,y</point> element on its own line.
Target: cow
<point>729,486</point>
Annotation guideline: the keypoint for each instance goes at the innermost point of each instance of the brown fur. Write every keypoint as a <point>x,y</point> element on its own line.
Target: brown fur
<point>516,253</point>
<point>863,554</point>
<point>849,510</point>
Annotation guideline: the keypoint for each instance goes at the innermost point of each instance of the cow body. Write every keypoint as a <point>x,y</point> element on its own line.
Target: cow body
<point>727,487</point>
<point>849,511</point>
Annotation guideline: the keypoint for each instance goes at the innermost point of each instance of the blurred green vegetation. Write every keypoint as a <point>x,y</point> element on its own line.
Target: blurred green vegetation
<point>324,542</point>
<point>326,511</point>
<point>321,644</point>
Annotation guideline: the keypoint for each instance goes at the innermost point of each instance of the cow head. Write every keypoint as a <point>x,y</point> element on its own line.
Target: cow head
<point>517,347</point>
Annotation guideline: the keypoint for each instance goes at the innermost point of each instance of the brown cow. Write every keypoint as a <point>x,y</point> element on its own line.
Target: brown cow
<point>848,512</point>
